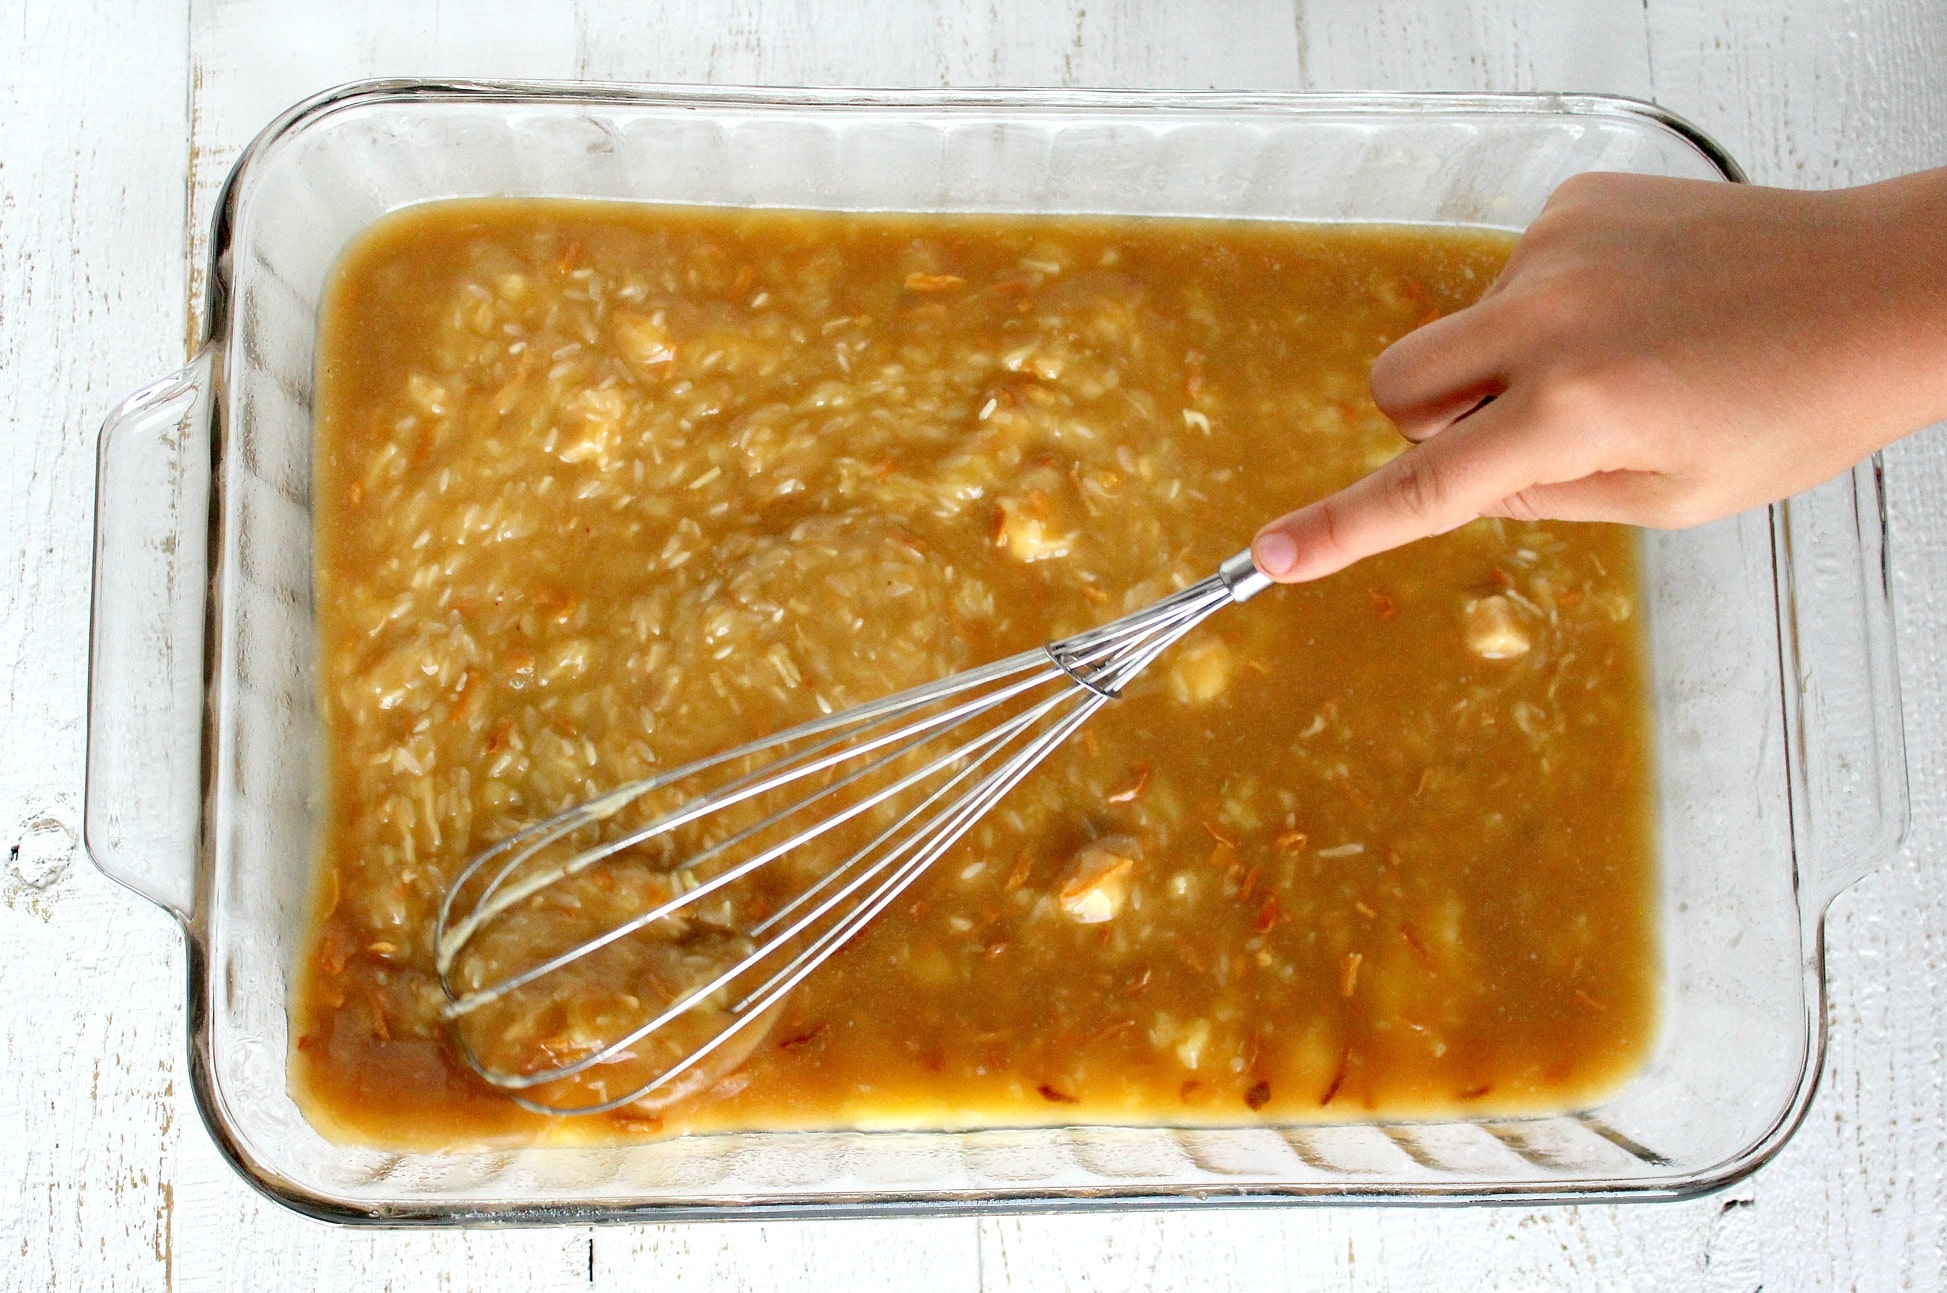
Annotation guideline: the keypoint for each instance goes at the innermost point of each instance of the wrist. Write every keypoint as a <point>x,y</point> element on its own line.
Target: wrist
<point>1898,235</point>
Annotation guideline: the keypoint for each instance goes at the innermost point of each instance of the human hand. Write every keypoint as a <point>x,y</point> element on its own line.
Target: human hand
<point>1658,352</point>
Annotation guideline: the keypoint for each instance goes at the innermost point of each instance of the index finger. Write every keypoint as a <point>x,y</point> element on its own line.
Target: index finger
<point>1433,487</point>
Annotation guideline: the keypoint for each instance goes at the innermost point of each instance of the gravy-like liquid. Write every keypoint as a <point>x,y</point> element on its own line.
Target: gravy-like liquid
<point>603,488</point>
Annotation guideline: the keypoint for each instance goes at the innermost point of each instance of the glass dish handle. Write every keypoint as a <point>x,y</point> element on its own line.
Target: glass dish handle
<point>1839,650</point>
<point>143,799</point>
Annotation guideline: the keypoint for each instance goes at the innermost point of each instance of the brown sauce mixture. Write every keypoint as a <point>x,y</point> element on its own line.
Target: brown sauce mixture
<point>601,489</point>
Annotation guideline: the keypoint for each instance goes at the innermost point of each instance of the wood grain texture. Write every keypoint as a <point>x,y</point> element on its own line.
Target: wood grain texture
<point>90,1015</point>
<point>1820,93</point>
<point>116,129</point>
<point>1483,45</point>
<point>1227,43</point>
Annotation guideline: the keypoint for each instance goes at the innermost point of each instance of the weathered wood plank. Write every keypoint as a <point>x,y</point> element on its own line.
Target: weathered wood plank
<point>90,280</point>
<point>1227,43</point>
<point>1809,93</point>
<point>1817,94</point>
<point>1476,45</point>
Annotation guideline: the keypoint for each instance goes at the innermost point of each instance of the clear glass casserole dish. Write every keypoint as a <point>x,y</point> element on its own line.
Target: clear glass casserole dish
<point>1781,773</point>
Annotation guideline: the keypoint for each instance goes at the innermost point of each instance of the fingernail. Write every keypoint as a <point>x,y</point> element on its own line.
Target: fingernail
<point>1274,553</point>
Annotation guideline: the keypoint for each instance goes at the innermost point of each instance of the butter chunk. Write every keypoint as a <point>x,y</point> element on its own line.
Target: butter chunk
<point>642,339</point>
<point>1494,630</point>
<point>1201,673</point>
<point>1098,882</point>
<point>1029,533</point>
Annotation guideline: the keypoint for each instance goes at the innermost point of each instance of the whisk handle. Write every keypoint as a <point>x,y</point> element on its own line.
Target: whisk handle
<point>1241,575</point>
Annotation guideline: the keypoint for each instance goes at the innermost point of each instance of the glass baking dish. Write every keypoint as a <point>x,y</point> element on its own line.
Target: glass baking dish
<point>1781,772</point>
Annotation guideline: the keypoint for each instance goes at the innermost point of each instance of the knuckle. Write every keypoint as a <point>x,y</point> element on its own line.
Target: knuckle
<point>1557,307</point>
<point>1522,505</point>
<point>1579,398</point>
<point>1571,398</point>
<point>1578,185</point>
<point>1331,526</point>
<point>1418,487</point>
<point>1582,189</point>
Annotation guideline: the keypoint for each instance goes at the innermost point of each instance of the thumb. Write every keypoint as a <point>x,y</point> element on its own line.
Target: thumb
<point>1433,487</point>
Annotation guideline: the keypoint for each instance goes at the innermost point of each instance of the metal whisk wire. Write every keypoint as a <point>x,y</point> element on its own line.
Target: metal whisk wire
<point>858,745</point>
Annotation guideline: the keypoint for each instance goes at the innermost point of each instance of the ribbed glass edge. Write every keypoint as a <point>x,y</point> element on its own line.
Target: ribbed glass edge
<point>355,94</point>
<point>1838,656</point>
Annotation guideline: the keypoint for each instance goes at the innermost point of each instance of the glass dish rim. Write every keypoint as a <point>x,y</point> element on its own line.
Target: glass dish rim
<point>218,321</point>
<point>361,93</point>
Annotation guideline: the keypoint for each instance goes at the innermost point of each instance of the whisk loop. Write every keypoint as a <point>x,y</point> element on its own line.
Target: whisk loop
<point>935,758</point>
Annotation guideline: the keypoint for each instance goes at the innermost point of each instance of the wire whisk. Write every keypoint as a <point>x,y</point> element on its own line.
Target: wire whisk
<point>713,905</point>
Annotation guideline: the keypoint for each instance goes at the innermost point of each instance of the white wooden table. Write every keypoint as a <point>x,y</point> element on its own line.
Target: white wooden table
<point>119,120</point>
